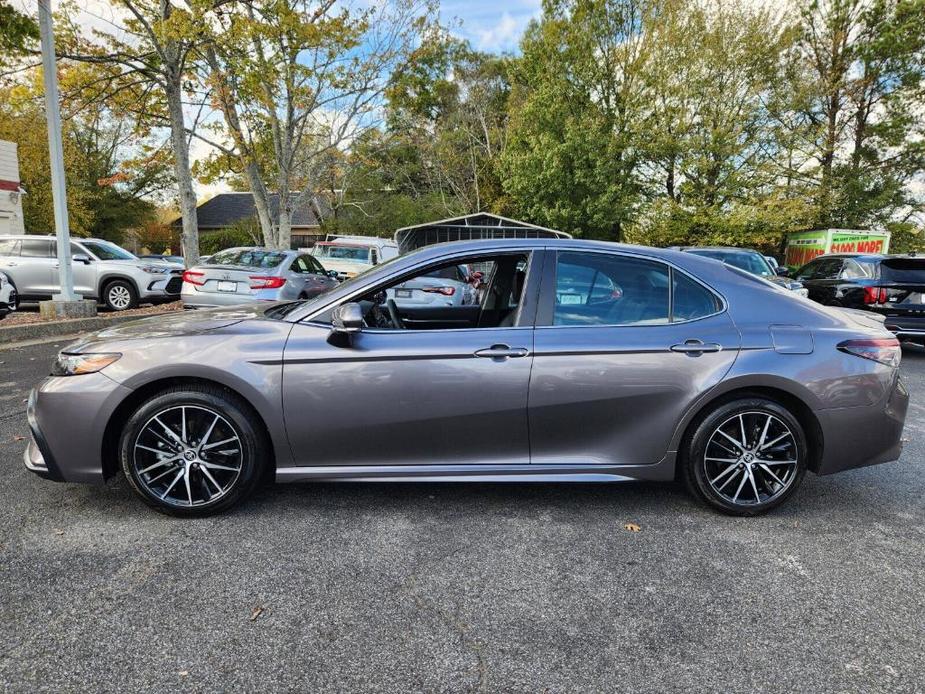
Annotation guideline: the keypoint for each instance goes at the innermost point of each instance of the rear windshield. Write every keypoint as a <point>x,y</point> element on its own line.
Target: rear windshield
<point>248,257</point>
<point>910,270</point>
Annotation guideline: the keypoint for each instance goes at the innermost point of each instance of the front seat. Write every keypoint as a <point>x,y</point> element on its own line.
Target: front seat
<point>517,289</point>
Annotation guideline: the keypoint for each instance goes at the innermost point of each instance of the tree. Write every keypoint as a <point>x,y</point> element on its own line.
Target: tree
<point>296,79</point>
<point>17,30</point>
<point>856,115</point>
<point>573,156</point>
<point>150,56</point>
<point>112,174</point>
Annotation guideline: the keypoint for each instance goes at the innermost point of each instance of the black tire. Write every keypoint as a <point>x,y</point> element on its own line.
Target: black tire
<point>120,295</point>
<point>702,474</point>
<point>200,404</point>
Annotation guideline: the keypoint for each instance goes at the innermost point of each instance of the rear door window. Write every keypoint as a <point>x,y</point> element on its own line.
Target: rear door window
<point>604,289</point>
<point>35,248</point>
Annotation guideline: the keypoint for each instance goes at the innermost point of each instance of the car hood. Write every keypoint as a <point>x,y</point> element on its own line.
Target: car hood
<point>176,324</point>
<point>134,262</point>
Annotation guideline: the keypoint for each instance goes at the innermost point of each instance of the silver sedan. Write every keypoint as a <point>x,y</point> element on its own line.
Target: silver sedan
<point>580,362</point>
<point>245,275</point>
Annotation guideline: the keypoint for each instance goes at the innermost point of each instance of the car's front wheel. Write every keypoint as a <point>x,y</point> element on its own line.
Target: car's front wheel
<point>193,451</point>
<point>120,295</point>
<point>746,456</point>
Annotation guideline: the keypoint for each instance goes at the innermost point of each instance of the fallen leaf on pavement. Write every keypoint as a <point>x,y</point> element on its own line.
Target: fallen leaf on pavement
<point>59,531</point>
<point>256,612</point>
<point>19,438</point>
<point>632,527</point>
<point>184,673</point>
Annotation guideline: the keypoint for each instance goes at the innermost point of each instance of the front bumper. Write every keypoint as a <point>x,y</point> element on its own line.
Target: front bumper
<point>67,418</point>
<point>160,287</point>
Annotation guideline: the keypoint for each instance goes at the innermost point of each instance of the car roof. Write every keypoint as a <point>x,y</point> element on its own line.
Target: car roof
<point>733,249</point>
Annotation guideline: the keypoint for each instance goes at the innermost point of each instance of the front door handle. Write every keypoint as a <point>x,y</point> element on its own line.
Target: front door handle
<point>501,352</point>
<point>696,347</point>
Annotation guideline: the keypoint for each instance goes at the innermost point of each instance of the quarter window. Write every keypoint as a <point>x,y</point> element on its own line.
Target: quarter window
<point>9,247</point>
<point>691,300</point>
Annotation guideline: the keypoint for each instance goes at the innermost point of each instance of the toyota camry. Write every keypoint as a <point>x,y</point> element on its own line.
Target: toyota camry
<point>579,362</point>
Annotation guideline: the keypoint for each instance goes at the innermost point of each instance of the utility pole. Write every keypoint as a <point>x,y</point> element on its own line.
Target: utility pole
<point>56,152</point>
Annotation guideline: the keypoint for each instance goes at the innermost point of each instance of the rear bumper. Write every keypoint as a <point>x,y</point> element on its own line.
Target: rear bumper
<point>861,436</point>
<point>67,419</point>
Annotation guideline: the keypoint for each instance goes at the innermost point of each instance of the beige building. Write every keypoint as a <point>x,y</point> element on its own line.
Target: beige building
<point>10,191</point>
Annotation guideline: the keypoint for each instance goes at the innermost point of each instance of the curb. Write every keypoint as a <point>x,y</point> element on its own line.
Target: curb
<point>70,326</point>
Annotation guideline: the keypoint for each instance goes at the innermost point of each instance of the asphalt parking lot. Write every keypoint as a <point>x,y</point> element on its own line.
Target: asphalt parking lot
<point>357,587</point>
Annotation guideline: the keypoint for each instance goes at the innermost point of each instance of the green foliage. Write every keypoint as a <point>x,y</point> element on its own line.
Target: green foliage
<point>17,31</point>
<point>572,160</point>
<point>111,176</point>
<point>906,237</point>
<point>244,232</point>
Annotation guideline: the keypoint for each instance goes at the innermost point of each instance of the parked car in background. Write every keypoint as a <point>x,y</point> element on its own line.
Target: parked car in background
<point>890,285</point>
<point>243,275</point>
<point>351,255</point>
<point>750,261</point>
<point>8,301</point>
<point>102,270</point>
<point>449,286</point>
<point>693,368</point>
<point>178,259</point>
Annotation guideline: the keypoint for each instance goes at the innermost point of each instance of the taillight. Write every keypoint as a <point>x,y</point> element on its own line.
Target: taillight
<point>446,291</point>
<point>885,350</point>
<point>193,277</point>
<point>875,295</point>
<point>266,282</point>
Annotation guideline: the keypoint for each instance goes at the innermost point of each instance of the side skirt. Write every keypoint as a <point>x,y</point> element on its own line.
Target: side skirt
<point>661,471</point>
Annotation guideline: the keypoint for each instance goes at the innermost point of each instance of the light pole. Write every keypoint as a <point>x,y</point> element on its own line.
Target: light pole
<point>56,158</point>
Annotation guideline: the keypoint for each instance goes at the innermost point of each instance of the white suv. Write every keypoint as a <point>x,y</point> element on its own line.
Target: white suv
<point>102,271</point>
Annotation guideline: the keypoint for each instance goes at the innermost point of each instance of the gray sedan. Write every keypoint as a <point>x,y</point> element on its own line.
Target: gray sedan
<point>581,362</point>
<point>244,275</point>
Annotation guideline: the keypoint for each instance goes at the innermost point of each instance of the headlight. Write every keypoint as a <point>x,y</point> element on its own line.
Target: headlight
<point>77,364</point>
<point>153,269</point>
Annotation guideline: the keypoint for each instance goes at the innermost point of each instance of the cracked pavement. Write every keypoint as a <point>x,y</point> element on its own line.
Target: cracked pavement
<point>440,587</point>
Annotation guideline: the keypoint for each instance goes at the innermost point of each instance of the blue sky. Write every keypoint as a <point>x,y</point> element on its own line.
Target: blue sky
<point>490,25</point>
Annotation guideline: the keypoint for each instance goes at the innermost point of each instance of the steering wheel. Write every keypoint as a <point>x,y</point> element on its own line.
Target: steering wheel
<point>394,315</point>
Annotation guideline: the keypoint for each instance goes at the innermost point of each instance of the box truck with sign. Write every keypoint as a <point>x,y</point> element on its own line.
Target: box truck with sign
<point>803,246</point>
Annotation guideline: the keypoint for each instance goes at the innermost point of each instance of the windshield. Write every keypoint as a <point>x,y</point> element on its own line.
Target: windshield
<point>107,251</point>
<point>356,254</point>
<point>248,257</point>
<point>750,261</point>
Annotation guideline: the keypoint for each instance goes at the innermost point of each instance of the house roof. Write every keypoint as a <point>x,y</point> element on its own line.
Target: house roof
<point>225,209</point>
<point>478,225</point>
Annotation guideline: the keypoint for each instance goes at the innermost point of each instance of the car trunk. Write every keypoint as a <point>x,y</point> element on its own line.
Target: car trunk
<point>229,279</point>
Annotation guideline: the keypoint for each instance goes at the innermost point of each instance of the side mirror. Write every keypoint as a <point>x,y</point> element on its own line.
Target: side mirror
<point>331,273</point>
<point>783,271</point>
<point>347,319</point>
<point>81,258</point>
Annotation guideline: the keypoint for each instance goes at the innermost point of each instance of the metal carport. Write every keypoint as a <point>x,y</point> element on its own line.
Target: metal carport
<point>479,225</point>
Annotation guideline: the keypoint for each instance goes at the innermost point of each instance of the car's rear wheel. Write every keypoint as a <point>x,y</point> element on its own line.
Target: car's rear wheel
<point>746,456</point>
<point>120,295</point>
<point>193,451</point>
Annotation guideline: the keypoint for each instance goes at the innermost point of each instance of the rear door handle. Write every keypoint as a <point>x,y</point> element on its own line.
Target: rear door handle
<point>696,347</point>
<point>502,352</point>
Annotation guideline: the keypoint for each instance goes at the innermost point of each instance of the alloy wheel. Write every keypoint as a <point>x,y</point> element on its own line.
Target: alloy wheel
<point>187,456</point>
<point>751,458</point>
<point>120,298</point>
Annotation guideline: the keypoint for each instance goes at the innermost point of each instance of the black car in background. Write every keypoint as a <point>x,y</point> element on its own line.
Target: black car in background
<point>891,285</point>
